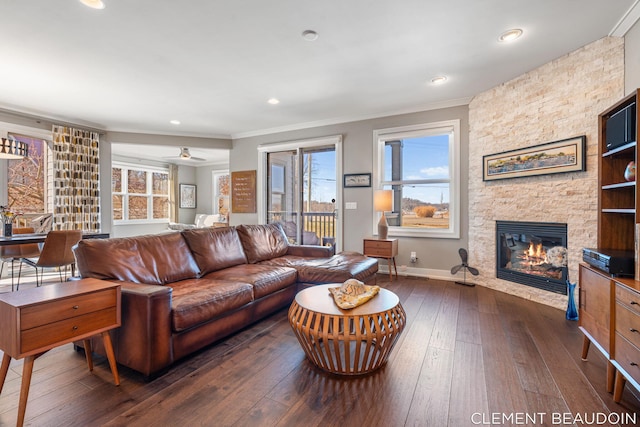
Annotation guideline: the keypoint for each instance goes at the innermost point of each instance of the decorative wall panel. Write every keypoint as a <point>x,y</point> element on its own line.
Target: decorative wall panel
<point>76,179</point>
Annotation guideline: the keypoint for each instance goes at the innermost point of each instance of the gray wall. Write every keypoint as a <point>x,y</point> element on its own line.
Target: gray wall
<point>358,158</point>
<point>632,59</point>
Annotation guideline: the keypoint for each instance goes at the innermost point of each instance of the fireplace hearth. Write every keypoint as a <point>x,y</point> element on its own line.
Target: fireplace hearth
<point>530,253</point>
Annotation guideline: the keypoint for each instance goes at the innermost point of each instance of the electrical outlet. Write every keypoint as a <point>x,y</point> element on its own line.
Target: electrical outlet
<point>414,257</point>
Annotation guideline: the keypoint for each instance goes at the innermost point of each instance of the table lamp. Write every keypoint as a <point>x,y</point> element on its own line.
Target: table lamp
<point>382,202</point>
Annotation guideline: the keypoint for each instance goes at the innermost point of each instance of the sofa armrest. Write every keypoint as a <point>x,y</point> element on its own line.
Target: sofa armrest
<point>143,342</point>
<point>310,251</point>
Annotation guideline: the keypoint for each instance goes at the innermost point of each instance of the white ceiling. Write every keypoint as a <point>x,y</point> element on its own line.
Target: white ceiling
<point>167,154</point>
<point>137,64</point>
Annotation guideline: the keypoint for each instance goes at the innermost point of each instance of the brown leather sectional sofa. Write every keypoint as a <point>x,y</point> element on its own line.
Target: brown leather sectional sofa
<point>182,291</point>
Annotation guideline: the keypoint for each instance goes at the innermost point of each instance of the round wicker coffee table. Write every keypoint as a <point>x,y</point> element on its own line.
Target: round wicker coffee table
<point>346,342</point>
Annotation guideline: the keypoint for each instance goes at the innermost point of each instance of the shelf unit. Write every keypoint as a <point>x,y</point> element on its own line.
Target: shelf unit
<point>617,198</point>
<point>608,305</point>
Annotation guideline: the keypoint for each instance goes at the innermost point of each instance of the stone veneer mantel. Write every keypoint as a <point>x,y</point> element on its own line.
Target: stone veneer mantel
<point>558,100</point>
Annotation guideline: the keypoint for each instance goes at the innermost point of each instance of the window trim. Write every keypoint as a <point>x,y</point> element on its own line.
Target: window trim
<point>380,136</point>
<point>147,169</point>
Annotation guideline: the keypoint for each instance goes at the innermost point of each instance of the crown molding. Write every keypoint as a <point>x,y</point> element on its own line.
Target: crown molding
<point>627,21</point>
<point>335,121</point>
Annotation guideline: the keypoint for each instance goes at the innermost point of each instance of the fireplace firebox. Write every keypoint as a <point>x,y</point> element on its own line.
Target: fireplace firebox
<point>527,253</point>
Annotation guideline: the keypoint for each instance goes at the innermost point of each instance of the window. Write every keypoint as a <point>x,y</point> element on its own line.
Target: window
<point>26,178</point>
<point>299,188</point>
<point>421,165</point>
<point>139,193</point>
<point>221,181</point>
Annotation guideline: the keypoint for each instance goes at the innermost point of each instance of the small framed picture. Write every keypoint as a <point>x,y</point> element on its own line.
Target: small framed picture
<point>187,196</point>
<point>357,180</point>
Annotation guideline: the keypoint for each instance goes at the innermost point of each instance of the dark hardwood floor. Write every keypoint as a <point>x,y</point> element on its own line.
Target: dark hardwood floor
<point>468,356</point>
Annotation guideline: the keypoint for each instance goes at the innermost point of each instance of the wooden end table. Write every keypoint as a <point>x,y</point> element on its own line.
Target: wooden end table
<point>36,320</point>
<point>346,342</point>
<point>383,248</point>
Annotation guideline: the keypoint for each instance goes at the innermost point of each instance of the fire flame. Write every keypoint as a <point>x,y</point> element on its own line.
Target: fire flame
<point>535,254</point>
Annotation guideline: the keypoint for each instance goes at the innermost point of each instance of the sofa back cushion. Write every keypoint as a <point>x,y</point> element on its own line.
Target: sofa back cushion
<point>262,242</point>
<point>154,259</point>
<point>215,248</point>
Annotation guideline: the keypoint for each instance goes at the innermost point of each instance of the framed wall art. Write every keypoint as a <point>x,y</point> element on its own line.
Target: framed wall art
<point>357,180</point>
<point>243,192</point>
<point>187,196</point>
<point>567,155</point>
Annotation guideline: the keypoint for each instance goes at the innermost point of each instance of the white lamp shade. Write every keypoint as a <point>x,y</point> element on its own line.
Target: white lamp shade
<point>383,200</point>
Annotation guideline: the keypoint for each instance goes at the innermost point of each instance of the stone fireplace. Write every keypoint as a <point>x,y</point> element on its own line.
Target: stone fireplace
<point>532,254</point>
<point>558,100</point>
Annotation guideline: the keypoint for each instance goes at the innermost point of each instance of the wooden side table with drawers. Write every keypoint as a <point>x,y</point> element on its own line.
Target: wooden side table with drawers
<point>36,320</point>
<point>383,248</point>
<point>626,326</point>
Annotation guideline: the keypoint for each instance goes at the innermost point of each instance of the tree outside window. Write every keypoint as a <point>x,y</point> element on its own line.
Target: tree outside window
<point>139,193</point>
<point>26,178</point>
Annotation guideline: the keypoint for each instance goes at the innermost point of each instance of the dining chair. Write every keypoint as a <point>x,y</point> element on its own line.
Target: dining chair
<point>13,253</point>
<point>56,252</point>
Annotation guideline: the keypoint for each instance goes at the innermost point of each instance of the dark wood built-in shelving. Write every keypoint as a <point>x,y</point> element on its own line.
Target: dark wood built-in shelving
<point>608,303</point>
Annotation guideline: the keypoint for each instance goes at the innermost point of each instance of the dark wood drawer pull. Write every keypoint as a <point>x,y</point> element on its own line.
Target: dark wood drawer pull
<point>633,364</point>
<point>633,330</point>
<point>75,328</point>
<point>75,307</point>
<point>634,303</point>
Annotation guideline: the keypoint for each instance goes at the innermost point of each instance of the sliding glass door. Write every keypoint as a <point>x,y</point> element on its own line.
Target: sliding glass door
<point>302,192</point>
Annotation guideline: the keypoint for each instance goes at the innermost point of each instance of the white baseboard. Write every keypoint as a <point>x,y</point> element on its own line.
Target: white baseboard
<point>423,272</point>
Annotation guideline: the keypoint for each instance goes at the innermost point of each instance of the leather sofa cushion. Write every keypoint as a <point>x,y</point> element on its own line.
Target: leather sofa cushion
<point>264,241</point>
<point>215,248</point>
<point>197,301</point>
<point>264,279</point>
<point>337,269</point>
<point>155,259</point>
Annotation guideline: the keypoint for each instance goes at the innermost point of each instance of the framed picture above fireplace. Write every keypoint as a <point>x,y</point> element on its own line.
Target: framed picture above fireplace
<point>567,155</point>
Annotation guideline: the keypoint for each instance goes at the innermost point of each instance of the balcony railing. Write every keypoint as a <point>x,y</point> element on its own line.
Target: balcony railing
<point>318,228</point>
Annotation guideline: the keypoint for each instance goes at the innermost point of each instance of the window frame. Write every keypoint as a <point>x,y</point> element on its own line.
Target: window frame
<point>149,194</point>
<point>381,136</point>
<point>215,180</point>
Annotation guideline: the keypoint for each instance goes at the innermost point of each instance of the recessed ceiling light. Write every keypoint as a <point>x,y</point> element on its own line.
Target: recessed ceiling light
<point>510,35</point>
<point>94,4</point>
<point>438,80</point>
<point>309,35</point>
<point>175,122</point>
<point>273,101</point>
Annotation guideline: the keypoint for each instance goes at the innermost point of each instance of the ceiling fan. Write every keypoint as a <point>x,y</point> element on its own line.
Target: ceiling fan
<point>186,155</point>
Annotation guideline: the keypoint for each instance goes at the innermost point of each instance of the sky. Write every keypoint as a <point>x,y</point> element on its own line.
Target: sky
<point>423,158</point>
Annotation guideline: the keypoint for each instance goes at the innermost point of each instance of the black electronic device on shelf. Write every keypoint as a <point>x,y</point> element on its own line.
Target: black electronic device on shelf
<point>621,127</point>
<point>614,262</point>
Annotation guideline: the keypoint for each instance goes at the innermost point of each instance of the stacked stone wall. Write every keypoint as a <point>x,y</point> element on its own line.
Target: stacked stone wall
<point>559,100</point>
